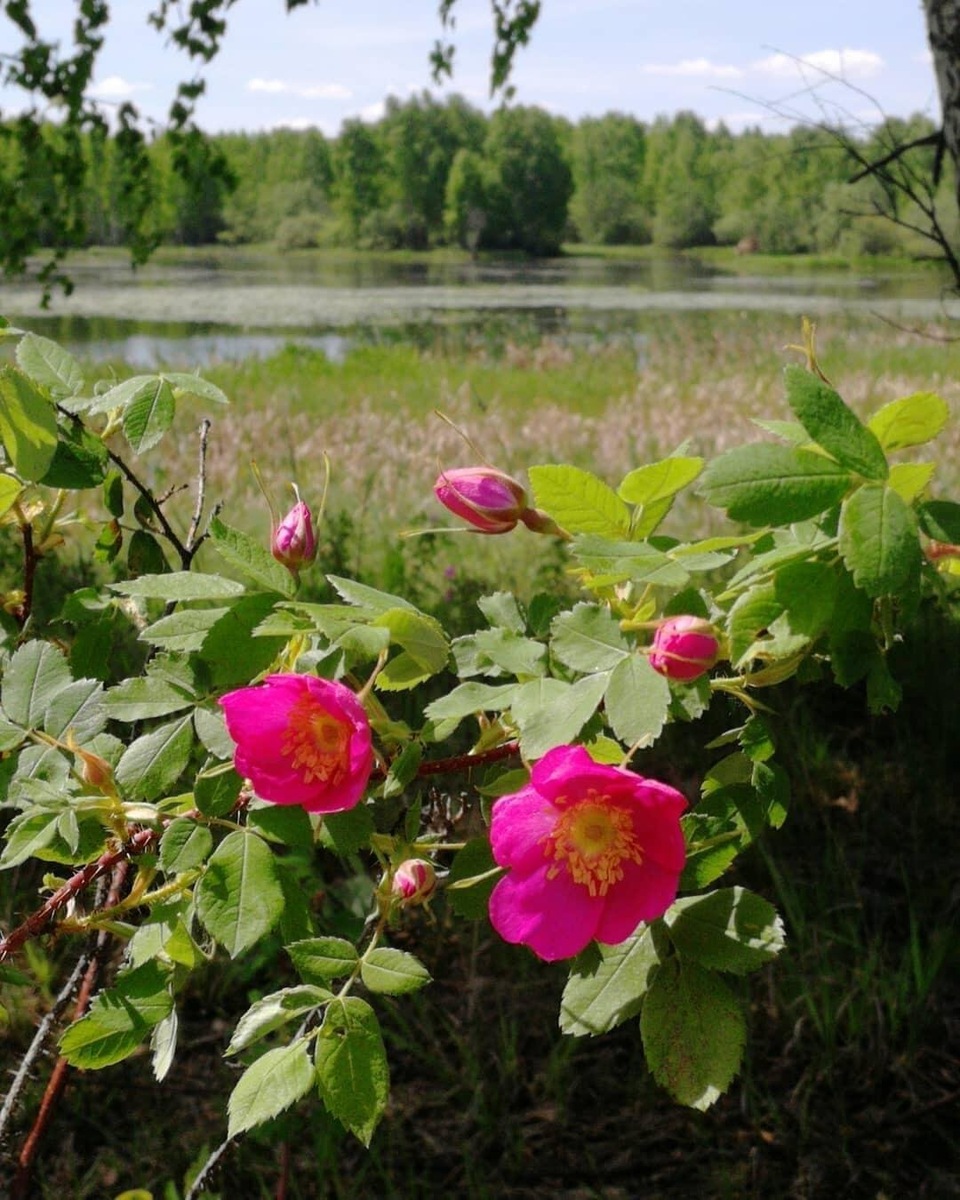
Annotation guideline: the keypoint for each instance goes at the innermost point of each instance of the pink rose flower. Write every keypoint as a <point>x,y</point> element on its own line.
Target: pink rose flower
<point>592,851</point>
<point>301,740</point>
<point>684,648</point>
<point>414,881</point>
<point>489,500</point>
<point>293,542</point>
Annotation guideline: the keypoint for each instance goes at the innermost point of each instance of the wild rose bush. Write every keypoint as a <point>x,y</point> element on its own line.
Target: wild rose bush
<point>176,810</point>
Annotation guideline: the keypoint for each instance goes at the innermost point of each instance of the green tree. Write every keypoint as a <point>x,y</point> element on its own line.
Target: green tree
<point>530,182</point>
<point>607,157</point>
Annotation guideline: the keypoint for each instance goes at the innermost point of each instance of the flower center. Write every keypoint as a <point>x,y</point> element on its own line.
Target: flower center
<point>592,838</point>
<point>316,743</point>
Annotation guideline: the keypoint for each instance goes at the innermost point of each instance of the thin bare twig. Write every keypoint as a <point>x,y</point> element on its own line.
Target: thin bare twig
<point>192,544</point>
<point>39,1038</point>
<point>200,1182</point>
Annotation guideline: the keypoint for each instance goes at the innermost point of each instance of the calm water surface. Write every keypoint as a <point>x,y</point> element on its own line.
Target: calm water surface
<point>218,308</point>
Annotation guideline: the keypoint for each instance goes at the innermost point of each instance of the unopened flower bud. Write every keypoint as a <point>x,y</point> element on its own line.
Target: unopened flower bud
<point>684,648</point>
<point>414,881</point>
<point>92,769</point>
<point>293,542</point>
<point>491,501</point>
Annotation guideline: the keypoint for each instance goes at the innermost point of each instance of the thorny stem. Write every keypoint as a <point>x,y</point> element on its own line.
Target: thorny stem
<point>37,921</point>
<point>29,574</point>
<point>58,1077</point>
<point>462,762</point>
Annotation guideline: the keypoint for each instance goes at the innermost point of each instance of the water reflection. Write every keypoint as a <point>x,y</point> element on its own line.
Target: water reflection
<point>225,306</point>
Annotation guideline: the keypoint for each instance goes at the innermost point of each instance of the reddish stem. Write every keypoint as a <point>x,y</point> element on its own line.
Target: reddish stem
<point>461,762</point>
<point>37,921</point>
<point>57,1082</point>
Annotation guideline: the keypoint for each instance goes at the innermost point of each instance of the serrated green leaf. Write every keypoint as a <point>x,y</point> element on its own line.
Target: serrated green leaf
<point>506,651</point>
<point>148,417</point>
<point>660,480</point>
<point>727,930</point>
<point>352,1067</point>
<point>588,638</point>
<point>287,824</point>
<point>608,986</point>
<point>752,615</point>
<point>833,425</point>
<point>276,1080</point>
<point>392,972</point>
<point>251,559</point>
<point>10,489</point>
<point>49,365</point>
<point>551,713</point>
<point>34,676</point>
<point>579,501</point>
<point>79,461</point>
<point>163,1045</point>
<point>120,395</point>
<point>234,655</point>
<point>273,1012</point>
<point>503,609</point>
<point>11,736</point>
<point>909,421</point>
<point>216,794</point>
<point>878,540</point>
<point>773,485</point>
<point>28,833</point>
<point>184,630</point>
<point>323,958</point>
<point>615,562</point>
<point>143,697</point>
<point>28,425</point>
<point>153,763</point>
<point>119,1018</point>
<point>911,480</point>
<point>239,898</point>
<point>367,597</point>
<point>184,845</point>
<point>347,832</point>
<point>79,706</point>
<point>693,1031</point>
<point>636,701</point>
<point>420,636</point>
<point>470,698</point>
<point>187,384</point>
<point>179,585</point>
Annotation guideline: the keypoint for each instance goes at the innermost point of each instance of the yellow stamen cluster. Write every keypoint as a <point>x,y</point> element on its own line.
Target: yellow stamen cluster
<point>316,742</point>
<point>592,839</point>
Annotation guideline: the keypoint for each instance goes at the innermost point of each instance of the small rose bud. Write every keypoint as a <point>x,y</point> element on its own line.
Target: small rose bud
<point>684,648</point>
<point>92,769</point>
<point>414,881</point>
<point>491,501</point>
<point>293,542</point>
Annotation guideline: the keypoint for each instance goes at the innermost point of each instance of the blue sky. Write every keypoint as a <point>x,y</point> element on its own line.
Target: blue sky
<point>740,61</point>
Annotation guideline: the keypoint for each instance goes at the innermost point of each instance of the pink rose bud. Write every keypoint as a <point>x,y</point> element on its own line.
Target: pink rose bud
<point>684,648</point>
<point>414,881</point>
<point>489,500</point>
<point>293,542</point>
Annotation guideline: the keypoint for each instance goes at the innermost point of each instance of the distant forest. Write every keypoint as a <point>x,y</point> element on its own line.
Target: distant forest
<point>432,173</point>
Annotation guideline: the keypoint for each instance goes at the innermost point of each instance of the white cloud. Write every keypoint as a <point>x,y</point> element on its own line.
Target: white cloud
<point>372,112</point>
<point>316,91</point>
<point>701,67</point>
<point>116,88</point>
<point>325,91</point>
<point>845,64</point>
<point>267,85</point>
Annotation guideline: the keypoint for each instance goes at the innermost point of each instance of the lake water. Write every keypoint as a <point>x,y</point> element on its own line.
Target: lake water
<point>231,306</point>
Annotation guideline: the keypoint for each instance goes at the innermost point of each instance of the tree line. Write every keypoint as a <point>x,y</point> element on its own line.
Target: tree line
<point>431,173</point>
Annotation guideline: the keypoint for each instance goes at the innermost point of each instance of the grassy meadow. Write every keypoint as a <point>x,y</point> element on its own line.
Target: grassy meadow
<point>852,1079</point>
